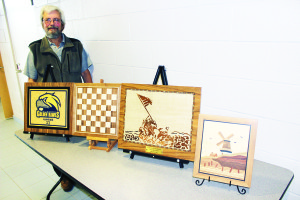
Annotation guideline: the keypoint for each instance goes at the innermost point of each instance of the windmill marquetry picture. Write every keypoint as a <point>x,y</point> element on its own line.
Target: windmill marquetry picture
<point>225,149</point>
<point>159,119</point>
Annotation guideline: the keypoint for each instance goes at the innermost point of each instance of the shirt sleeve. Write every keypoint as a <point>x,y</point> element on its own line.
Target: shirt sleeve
<point>86,62</point>
<point>29,69</point>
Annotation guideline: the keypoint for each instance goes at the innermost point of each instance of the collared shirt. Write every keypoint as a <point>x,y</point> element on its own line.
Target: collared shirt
<point>30,70</point>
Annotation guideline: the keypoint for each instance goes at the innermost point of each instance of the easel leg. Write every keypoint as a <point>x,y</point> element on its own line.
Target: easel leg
<point>110,144</point>
<point>93,141</point>
<point>181,164</point>
<point>131,155</point>
<point>243,191</point>
<point>67,137</point>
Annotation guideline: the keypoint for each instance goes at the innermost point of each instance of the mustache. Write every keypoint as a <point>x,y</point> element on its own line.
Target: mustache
<point>51,27</point>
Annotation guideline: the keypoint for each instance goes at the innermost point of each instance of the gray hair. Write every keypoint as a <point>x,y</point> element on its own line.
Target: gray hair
<point>50,8</point>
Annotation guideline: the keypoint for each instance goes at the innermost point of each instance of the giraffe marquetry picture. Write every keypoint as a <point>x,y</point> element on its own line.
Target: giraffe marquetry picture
<point>159,119</point>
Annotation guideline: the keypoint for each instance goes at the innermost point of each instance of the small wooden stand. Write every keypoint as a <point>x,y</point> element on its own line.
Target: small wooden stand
<point>93,141</point>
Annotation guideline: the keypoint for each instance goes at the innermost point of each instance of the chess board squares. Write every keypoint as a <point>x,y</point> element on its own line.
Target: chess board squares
<point>105,127</point>
<point>97,93</point>
<point>96,121</point>
<point>104,102</point>
<point>85,107</point>
<point>96,110</point>
<point>93,110</point>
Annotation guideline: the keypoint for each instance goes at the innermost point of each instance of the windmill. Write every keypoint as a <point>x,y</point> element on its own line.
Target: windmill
<point>226,143</point>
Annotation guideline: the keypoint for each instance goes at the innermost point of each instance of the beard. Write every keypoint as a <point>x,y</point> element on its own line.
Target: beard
<point>52,32</point>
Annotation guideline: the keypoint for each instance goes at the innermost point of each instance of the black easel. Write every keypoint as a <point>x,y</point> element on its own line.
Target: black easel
<point>161,71</point>
<point>179,161</point>
<point>243,191</point>
<point>49,69</point>
<point>54,135</point>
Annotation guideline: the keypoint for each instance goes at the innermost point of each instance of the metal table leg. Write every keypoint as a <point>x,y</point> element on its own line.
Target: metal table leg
<point>56,184</point>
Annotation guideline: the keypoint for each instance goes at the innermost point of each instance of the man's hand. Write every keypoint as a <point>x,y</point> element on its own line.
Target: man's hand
<point>31,80</point>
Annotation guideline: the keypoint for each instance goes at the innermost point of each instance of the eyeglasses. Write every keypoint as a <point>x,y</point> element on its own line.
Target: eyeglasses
<point>56,21</point>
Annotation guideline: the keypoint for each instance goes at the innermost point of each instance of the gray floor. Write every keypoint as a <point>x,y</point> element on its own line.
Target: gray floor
<point>23,173</point>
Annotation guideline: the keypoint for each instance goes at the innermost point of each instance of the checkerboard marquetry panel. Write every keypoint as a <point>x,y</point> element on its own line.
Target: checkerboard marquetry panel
<point>97,110</point>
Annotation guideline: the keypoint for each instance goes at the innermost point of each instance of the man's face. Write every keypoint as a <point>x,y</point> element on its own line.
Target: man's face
<point>52,24</point>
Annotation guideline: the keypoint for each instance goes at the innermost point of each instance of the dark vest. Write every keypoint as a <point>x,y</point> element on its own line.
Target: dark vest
<point>66,70</point>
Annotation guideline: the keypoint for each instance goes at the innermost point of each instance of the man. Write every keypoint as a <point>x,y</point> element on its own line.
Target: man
<point>57,58</point>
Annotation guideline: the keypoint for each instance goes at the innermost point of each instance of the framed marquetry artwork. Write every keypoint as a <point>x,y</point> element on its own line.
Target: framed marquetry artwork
<point>96,109</point>
<point>225,149</point>
<point>159,119</point>
<point>47,108</point>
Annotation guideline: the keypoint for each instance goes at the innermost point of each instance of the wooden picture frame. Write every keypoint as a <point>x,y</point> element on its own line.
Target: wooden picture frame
<point>96,109</point>
<point>225,149</point>
<point>47,108</point>
<point>159,119</point>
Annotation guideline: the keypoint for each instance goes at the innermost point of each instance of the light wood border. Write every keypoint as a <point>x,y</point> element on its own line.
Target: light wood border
<point>251,149</point>
<point>184,155</point>
<point>96,85</point>
<point>27,86</point>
